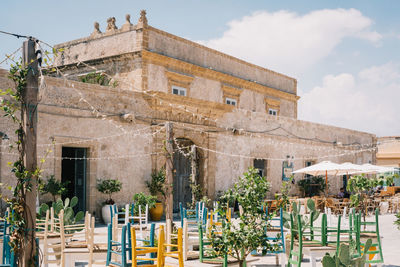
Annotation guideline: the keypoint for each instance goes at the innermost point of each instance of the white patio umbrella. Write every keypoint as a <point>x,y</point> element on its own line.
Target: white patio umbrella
<point>350,168</point>
<point>374,169</point>
<point>324,167</point>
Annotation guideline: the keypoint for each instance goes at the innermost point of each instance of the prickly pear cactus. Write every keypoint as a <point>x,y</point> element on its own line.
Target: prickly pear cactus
<point>69,216</point>
<point>305,220</point>
<point>344,257</point>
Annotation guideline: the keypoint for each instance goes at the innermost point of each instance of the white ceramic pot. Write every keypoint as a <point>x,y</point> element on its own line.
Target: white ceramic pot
<point>106,214</point>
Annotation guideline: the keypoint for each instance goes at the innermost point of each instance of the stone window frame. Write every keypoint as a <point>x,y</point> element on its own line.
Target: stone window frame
<point>176,79</point>
<point>231,101</point>
<point>273,112</point>
<point>179,90</point>
<point>264,169</point>
<point>273,104</point>
<point>313,161</point>
<point>231,93</point>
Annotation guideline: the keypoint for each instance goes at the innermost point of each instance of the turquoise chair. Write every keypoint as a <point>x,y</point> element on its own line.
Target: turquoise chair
<point>194,215</point>
<point>278,239</point>
<point>115,212</point>
<point>123,248</point>
<point>8,259</point>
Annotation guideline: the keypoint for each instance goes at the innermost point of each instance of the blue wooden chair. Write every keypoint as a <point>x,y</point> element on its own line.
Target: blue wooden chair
<point>8,259</point>
<point>197,215</point>
<point>123,248</point>
<point>276,236</point>
<point>115,212</point>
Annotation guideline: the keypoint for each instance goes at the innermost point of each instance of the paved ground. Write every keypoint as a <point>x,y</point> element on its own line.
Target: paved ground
<point>390,240</point>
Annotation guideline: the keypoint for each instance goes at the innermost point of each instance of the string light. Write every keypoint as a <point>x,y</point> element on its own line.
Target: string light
<point>182,107</point>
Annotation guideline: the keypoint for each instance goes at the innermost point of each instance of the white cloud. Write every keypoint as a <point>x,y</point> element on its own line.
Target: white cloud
<point>288,42</point>
<point>367,102</point>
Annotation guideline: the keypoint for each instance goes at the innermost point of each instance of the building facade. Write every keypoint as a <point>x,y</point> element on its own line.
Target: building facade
<point>227,115</point>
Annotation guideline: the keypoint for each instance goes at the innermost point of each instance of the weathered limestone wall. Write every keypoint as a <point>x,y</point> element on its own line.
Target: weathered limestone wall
<point>182,49</point>
<point>90,48</point>
<point>211,90</point>
<point>279,141</point>
<point>117,148</point>
<point>389,151</point>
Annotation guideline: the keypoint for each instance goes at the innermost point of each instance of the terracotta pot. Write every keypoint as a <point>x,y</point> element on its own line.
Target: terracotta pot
<point>157,212</point>
<point>106,214</point>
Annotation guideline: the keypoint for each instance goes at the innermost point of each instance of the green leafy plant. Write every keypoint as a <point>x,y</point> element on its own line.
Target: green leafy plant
<point>345,259</point>
<point>157,182</point>
<point>361,188</point>
<point>14,108</point>
<point>53,187</point>
<point>305,220</point>
<point>109,186</point>
<point>141,199</point>
<point>98,78</point>
<point>312,186</point>
<point>69,216</point>
<point>283,197</point>
<point>397,222</point>
<point>246,233</point>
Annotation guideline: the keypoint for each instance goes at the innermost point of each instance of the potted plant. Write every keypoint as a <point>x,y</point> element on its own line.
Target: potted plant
<point>141,199</point>
<point>108,186</point>
<point>156,189</point>
<point>53,186</point>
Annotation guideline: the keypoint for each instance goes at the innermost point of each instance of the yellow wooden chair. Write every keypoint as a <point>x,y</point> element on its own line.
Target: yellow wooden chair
<point>167,249</point>
<point>145,255</point>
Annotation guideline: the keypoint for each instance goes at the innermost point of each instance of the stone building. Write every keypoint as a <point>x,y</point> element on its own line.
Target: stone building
<point>227,115</point>
<point>388,151</point>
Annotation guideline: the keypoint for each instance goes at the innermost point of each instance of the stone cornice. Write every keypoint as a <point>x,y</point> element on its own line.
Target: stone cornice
<point>196,70</point>
<point>272,102</point>
<point>150,28</point>
<point>178,77</point>
<point>189,106</point>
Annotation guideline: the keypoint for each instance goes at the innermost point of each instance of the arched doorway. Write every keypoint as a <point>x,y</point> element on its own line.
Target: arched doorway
<point>183,162</point>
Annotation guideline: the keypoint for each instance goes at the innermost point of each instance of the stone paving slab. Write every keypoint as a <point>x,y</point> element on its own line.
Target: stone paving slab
<point>390,241</point>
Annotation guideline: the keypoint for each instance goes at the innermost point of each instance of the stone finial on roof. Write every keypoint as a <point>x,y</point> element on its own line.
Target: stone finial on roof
<point>127,26</point>
<point>143,19</point>
<point>111,24</point>
<point>96,30</point>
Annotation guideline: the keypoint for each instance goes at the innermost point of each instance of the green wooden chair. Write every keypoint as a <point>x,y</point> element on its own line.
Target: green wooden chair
<point>312,236</point>
<point>206,253</point>
<point>364,234</point>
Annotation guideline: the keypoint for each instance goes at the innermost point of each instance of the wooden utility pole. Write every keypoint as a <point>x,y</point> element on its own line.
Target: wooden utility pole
<point>169,171</point>
<point>29,114</point>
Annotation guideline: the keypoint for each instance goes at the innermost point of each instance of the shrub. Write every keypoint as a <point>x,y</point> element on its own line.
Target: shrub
<point>246,233</point>
<point>109,186</point>
<point>312,186</point>
<point>156,184</point>
<point>53,187</point>
<point>141,199</point>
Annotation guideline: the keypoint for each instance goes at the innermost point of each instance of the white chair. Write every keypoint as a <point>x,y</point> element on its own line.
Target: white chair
<point>141,217</point>
<point>90,253</point>
<point>190,238</point>
<point>52,248</point>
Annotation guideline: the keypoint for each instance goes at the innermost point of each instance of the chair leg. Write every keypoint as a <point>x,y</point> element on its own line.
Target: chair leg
<point>283,259</point>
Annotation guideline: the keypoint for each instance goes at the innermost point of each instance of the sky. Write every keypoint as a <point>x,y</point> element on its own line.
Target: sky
<point>343,53</point>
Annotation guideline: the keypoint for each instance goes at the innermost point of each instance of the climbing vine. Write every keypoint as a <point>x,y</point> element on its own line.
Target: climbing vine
<point>11,104</point>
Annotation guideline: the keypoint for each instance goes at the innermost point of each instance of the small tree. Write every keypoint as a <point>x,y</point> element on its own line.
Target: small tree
<point>157,183</point>
<point>283,197</point>
<point>397,222</point>
<point>109,186</point>
<point>361,189</point>
<point>242,235</point>
<point>53,187</point>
